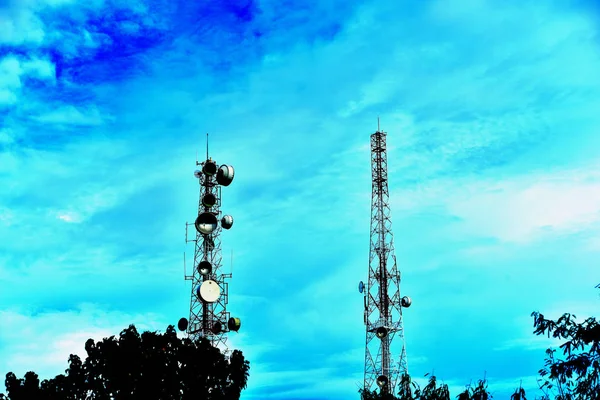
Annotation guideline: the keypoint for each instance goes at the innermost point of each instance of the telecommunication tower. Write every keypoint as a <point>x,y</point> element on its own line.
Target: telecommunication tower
<point>208,315</point>
<point>382,300</point>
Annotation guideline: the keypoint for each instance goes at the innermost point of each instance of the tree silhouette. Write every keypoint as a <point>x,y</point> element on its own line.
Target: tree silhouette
<point>576,377</point>
<point>146,366</point>
<point>519,394</point>
<point>433,392</point>
<point>410,390</point>
<point>479,392</point>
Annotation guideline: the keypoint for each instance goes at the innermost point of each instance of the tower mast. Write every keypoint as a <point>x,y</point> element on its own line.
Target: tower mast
<point>208,316</point>
<point>382,301</point>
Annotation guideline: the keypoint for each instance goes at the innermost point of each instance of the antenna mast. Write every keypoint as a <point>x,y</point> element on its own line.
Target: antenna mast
<point>208,315</point>
<point>382,301</point>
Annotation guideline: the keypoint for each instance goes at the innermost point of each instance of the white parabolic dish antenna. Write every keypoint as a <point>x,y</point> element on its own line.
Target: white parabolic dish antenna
<point>210,291</point>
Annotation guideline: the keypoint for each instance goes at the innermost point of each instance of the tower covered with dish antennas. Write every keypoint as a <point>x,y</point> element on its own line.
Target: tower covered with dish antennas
<point>208,316</point>
<point>382,300</point>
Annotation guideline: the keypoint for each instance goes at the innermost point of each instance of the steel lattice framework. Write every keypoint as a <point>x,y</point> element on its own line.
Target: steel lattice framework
<point>203,316</point>
<point>383,302</point>
<point>208,315</point>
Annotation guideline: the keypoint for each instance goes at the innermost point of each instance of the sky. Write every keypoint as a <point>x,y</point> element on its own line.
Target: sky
<point>491,109</point>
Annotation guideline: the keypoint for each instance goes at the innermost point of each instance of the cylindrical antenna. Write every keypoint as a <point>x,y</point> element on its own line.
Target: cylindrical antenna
<point>378,124</point>
<point>207,146</point>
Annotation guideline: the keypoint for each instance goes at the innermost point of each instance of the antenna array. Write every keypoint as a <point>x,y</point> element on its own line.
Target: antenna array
<point>208,315</point>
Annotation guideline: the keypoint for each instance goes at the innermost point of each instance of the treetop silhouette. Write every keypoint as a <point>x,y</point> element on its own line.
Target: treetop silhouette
<point>146,366</point>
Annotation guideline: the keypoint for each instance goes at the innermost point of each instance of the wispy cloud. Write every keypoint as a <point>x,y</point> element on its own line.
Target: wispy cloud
<point>64,332</point>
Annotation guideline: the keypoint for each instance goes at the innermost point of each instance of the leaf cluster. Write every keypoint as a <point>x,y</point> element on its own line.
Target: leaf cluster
<point>576,377</point>
<point>410,390</point>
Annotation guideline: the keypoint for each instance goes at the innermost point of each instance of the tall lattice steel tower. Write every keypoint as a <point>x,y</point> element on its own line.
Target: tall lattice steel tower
<point>208,304</point>
<point>382,300</point>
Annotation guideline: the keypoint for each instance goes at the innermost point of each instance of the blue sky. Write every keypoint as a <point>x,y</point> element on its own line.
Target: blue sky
<point>494,142</point>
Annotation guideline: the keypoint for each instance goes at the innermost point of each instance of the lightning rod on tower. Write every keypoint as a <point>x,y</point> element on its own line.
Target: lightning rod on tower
<point>382,300</point>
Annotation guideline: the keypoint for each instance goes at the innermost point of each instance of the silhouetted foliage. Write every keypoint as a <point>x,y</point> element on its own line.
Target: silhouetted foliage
<point>410,390</point>
<point>576,377</point>
<point>374,395</point>
<point>146,366</point>
<point>519,394</point>
<point>433,392</point>
<point>479,392</point>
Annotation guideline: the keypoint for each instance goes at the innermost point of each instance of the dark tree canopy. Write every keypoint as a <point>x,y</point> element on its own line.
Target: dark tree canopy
<point>146,366</point>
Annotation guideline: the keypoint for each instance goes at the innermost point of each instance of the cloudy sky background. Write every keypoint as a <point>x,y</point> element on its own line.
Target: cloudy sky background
<point>494,145</point>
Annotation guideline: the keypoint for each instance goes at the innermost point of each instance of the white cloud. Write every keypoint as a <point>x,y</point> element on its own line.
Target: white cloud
<point>69,217</point>
<point>6,216</point>
<point>42,69</point>
<point>20,25</point>
<point>13,70</point>
<point>70,115</point>
<point>520,208</point>
<point>6,136</point>
<point>532,206</point>
<point>10,71</point>
<point>7,97</point>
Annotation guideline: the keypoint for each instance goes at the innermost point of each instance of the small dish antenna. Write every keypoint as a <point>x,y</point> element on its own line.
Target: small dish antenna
<point>210,168</point>
<point>227,221</point>
<point>225,175</point>
<point>182,324</point>
<point>382,381</point>
<point>361,287</point>
<point>234,324</point>
<point>205,267</point>
<point>381,332</point>
<point>206,223</point>
<point>209,291</point>
<point>209,200</point>
<point>217,328</point>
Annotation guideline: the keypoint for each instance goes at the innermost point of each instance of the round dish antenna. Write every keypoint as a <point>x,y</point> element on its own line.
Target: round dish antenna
<point>234,324</point>
<point>206,223</point>
<point>204,267</point>
<point>198,174</point>
<point>182,324</point>
<point>209,168</point>
<point>381,332</point>
<point>361,287</point>
<point>225,175</point>
<point>217,328</point>
<point>209,200</point>
<point>209,291</point>
<point>406,301</point>
<point>227,221</point>
<point>382,380</point>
